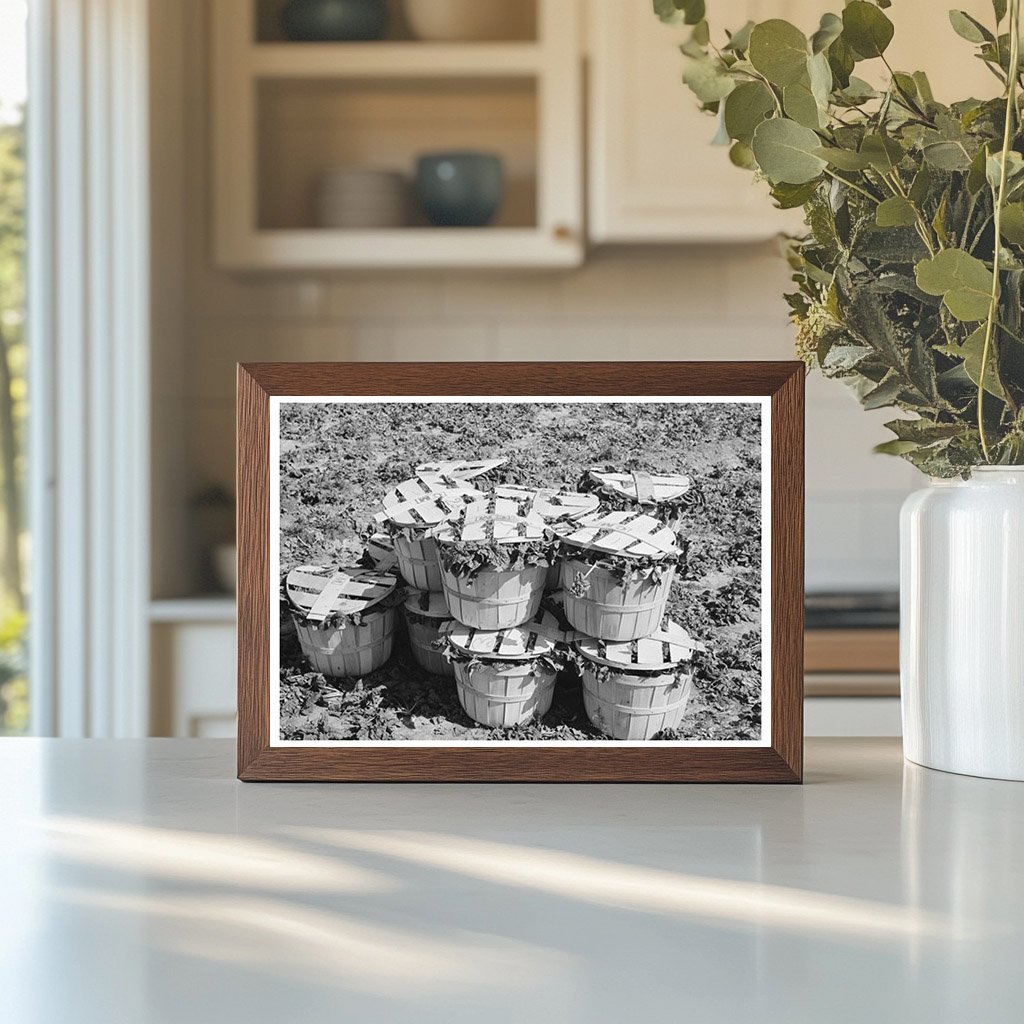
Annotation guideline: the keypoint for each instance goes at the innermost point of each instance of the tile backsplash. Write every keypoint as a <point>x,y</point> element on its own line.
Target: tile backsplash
<point>700,303</point>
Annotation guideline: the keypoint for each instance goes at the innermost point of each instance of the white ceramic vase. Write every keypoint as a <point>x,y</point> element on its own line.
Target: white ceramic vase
<point>962,624</point>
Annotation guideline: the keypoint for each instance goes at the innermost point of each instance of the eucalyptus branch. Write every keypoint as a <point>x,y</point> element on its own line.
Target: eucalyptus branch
<point>850,184</point>
<point>876,303</point>
<point>1000,200</point>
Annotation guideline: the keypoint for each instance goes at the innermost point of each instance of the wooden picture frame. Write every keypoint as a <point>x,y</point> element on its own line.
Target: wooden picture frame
<point>779,757</point>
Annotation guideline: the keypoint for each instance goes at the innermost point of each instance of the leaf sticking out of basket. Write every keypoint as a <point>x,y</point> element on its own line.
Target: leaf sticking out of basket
<point>380,550</point>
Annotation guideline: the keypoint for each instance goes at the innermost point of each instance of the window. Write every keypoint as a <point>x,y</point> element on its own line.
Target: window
<point>14,549</point>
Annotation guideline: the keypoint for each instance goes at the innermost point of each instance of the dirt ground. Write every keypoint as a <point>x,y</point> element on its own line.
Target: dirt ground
<point>338,460</point>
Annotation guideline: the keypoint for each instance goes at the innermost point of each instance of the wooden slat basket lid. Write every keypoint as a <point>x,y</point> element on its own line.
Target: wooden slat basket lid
<point>411,491</point>
<point>428,604</point>
<point>321,593</point>
<point>493,519</point>
<point>431,509</point>
<point>551,505</point>
<point>666,649</point>
<point>541,635</point>
<point>642,488</point>
<point>458,469</point>
<point>631,533</point>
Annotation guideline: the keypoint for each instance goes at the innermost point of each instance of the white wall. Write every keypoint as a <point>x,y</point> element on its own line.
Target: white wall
<point>701,303</point>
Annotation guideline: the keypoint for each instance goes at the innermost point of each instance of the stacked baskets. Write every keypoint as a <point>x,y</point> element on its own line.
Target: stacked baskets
<point>344,617</point>
<point>506,649</point>
<point>412,513</point>
<point>507,677</point>
<point>553,507</point>
<point>617,568</point>
<point>479,564</point>
<point>634,690</point>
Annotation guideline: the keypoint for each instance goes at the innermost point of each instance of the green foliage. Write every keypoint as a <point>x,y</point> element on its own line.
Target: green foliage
<point>467,559</point>
<point>909,277</point>
<point>13,416</point>
<point>14,708</point>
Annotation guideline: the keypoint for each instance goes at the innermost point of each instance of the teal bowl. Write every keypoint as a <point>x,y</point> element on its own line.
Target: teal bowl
<point>460,190</point>
<point>334,21</point>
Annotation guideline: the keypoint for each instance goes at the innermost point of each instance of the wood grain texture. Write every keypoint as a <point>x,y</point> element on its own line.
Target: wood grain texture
<point>655,762</point>
<point>852,650</point>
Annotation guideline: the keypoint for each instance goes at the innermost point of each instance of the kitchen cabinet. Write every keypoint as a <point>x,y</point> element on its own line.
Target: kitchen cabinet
<point>286,113</point>
<point>193,667</point>
<point>653,175</point>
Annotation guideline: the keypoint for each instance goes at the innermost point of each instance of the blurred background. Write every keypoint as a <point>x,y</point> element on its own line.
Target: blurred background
<point>245,180</point>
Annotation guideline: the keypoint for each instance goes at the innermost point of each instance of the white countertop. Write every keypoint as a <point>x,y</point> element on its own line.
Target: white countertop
<point>143,885</point>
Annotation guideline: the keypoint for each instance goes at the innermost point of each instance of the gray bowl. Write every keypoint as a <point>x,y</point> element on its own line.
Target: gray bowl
<point>461,190</point>
<point>334,20</point>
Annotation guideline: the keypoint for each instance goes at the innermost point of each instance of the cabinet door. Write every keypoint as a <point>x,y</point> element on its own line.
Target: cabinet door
<point>654,175</point>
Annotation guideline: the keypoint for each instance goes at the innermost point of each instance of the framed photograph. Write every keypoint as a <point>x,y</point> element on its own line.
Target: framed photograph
<point>514,572</point>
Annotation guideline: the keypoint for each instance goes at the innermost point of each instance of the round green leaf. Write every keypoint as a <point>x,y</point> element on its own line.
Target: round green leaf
<point>972,352</point>
<point>882,152</point>
<point>785,152</point>
<point>708,81</point>
<point>946,155</point>
<point>962,280</point>
<point>866,29</point>
<point>896,212</point>
<point>830,29</point>
<point>1012,226</point>
<point>968,28</point>
<point>820,76</point>
<point>778,50</point>
<point>674,12</point>
<point>740,39</point>
<point>743,156</point>
<point>747,106</point>
<point>800,105</point>
<point>844,159</point>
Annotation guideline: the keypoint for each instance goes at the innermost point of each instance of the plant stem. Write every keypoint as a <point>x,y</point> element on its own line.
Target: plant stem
<point>923,228</point>
<point>993,309</point>
<point>856,188</point>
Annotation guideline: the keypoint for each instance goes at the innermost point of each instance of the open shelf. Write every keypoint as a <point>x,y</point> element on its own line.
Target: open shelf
<point>518,17</point>
<point>287,113</point>
<point>308,127</point>
<point>393,60</point>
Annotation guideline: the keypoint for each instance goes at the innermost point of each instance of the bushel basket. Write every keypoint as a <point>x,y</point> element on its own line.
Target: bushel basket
<point>412,511</point>
<point>344,618</point>
<point>507,677</point>
<point>634,690</point>
<point>426,618</point>
<point>494,564</point>
<point>617,570</point>
<point>553,507</point>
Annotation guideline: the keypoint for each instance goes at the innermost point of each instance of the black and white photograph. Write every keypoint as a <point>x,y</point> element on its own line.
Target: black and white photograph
<point>536,570</point>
